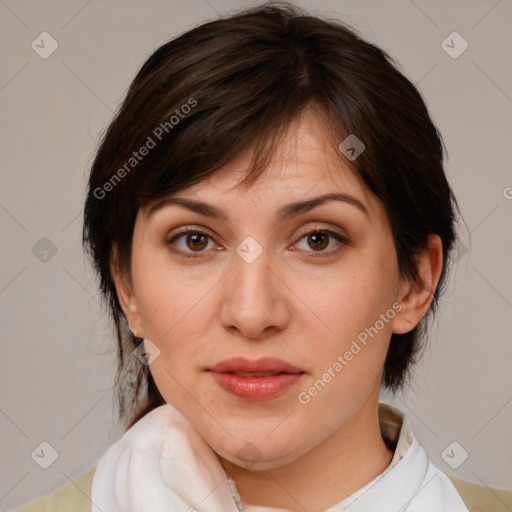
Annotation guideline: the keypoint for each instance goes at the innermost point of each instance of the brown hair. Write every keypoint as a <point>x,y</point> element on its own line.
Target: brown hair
<point>238,82</point>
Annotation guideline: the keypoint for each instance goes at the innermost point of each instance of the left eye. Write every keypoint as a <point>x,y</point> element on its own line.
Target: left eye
<point>319,239</point>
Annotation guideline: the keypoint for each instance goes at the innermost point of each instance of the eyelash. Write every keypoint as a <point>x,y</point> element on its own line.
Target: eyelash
<point>186,254</point>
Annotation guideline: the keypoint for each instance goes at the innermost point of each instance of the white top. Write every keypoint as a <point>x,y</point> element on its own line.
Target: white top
<point>162,464</point>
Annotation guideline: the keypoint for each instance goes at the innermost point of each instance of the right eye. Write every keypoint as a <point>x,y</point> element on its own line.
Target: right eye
<point>191,241</point>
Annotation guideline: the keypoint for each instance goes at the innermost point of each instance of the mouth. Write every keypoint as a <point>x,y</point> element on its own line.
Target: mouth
<point>256,374</point>
<point>260,379</point>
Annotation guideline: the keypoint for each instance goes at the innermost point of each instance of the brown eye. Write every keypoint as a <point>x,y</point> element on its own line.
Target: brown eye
<point>196,241</point>
<point>318,241</point>
<point>190,243</point>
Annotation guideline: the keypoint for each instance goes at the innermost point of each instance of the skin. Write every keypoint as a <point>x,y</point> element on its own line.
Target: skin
<point>296,301</point>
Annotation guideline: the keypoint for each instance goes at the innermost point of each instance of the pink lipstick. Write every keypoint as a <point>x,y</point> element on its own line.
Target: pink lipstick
<point>258,379</point>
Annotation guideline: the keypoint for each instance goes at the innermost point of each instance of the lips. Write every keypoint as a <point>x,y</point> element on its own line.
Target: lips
<point>259,379</point>
<point>262,365</point>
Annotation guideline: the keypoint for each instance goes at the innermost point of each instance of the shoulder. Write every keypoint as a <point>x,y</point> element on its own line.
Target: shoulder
<point>481,498</point>
<point>75,496</point>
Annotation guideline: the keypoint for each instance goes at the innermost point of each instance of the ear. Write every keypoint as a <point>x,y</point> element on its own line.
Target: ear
<point>124,289</point>
<point>416,296</point>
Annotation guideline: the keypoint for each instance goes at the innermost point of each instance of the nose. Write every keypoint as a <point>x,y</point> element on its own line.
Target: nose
<point>255,299</point>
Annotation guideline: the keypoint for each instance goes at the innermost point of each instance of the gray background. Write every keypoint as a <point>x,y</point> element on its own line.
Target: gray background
<point>58,353</point>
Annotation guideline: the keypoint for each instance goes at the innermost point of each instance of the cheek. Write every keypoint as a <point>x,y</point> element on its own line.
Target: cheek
<point>174,307</point>
<point>158,287</point>
<point>351,344</point>
<point>355,309</point>
<point>349,301</point>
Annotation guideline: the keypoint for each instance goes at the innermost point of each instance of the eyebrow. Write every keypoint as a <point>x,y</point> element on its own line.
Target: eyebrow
<point>283,213</point>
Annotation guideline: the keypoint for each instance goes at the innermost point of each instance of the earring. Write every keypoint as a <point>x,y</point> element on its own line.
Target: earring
<point>134,332</point>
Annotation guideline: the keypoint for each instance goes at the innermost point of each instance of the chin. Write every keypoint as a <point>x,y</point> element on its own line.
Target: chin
<point>256,453</point>
<point>265,463</point>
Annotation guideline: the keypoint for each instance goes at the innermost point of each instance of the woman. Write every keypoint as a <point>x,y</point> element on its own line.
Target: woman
<point>269,215</point>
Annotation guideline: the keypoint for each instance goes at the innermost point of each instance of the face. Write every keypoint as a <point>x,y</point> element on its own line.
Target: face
<point>304,297</point>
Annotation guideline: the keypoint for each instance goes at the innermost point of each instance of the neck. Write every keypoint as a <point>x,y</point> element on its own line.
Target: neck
<point>343,463</point>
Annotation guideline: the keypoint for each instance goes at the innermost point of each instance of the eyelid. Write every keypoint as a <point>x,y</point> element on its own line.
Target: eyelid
<point>186,229</point>
<point>321,227</point>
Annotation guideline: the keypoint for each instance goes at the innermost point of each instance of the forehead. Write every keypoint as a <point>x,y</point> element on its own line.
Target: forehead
<point>306,162</point>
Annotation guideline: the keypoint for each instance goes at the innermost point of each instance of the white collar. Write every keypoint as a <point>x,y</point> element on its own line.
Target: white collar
<point>163,464</point>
